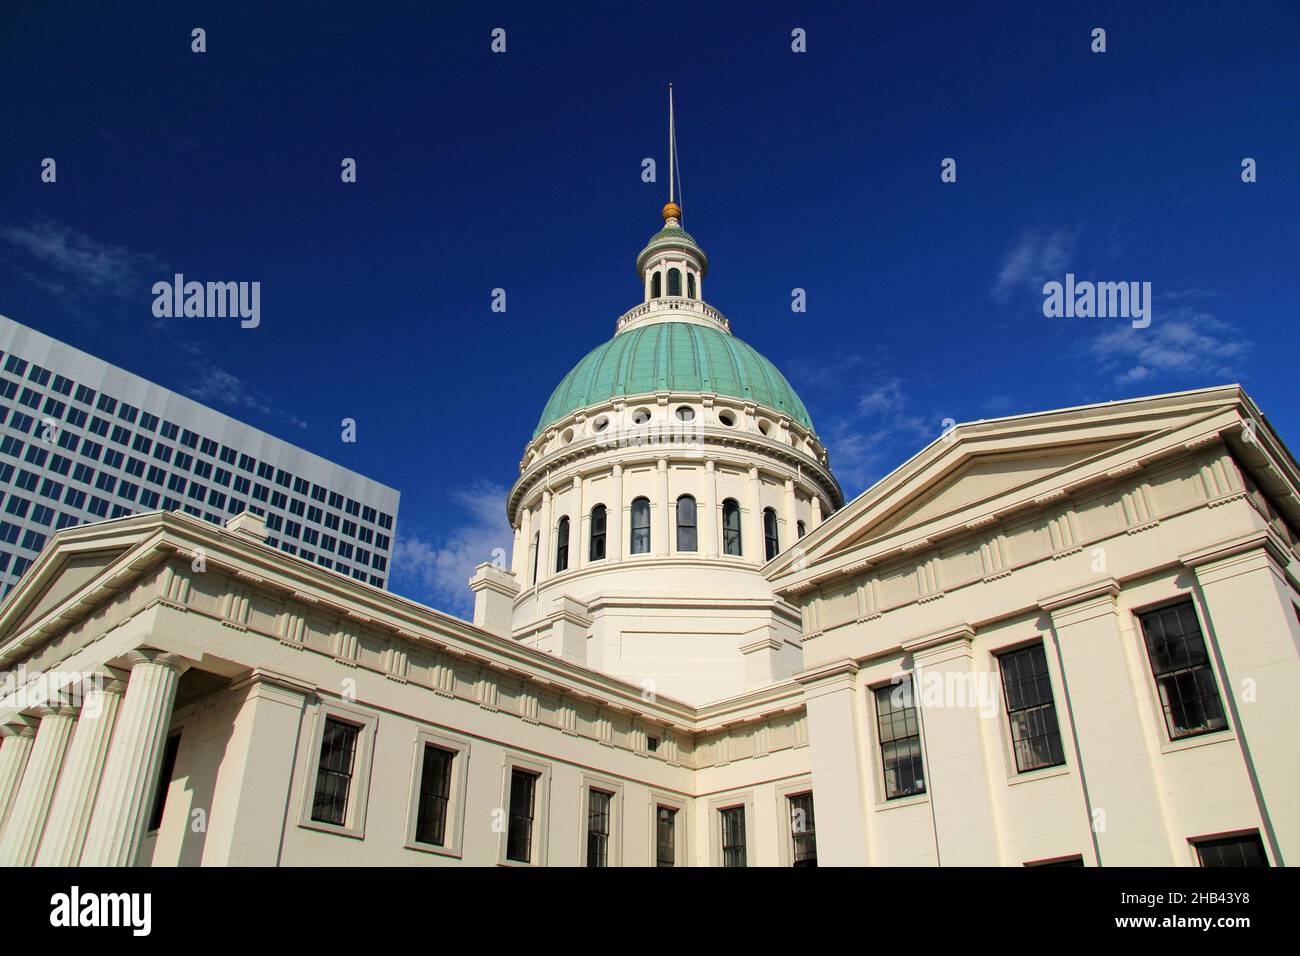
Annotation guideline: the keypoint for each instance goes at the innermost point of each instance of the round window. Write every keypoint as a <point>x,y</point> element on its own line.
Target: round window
<point>600,424</point>
<point>685,414</point>
<point>641,416</point>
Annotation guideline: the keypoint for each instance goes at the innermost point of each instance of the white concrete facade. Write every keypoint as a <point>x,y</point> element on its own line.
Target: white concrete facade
<point>1051,530</point>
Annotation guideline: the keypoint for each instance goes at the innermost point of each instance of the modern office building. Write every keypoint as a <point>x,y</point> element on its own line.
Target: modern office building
<point>1066,638</point>
<point>82,440</point>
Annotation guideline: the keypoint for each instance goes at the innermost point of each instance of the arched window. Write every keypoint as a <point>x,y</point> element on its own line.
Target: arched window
<point>596,549</point>
<point>641,526</point>
<point>803,528</point>
<point>674,281</point>
<point>562,546</point>
<point>690,285</point>
<point>730,527</point>
<point>537,546</point>
<point>656,285</point>
<point>686,523</point>
<point>770,543</point>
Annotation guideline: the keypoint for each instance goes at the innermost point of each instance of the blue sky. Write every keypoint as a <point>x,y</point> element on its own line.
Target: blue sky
<point>522,171</point>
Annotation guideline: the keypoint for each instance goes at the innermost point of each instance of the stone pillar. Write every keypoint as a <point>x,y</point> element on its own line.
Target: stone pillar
<point>525,573</point>
<point>615,519</point>
<point>65,830</point>
<point>957,775</point>
<point>816,510</point>
<point>1253,629</point>
<point>252,785</point>
<point>32,803</point>
<point>756,552</point>
<point>545,553</point>
<point>708,514</point>
<point>790,533</point>
<point>579,533</point>
<point>16,739</point>
<point>134,760</point>
<point>516,558</point>
<point>494,591</point>
<point>663,546</point>
<point>840,771</point>
<point>1116,760</point>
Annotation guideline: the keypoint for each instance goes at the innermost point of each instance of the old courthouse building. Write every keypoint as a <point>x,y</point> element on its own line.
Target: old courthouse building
<point>1064,638</point>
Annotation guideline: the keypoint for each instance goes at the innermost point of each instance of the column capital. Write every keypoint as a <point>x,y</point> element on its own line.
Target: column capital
<point>830,676</point>
<point>957,635</point>
<point>56,710</point>
<point>1235,555</point>
<point>1082,602</point>
<point>152,655</point>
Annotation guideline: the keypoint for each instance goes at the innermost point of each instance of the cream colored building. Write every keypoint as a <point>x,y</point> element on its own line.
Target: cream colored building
<point>1065,637</point>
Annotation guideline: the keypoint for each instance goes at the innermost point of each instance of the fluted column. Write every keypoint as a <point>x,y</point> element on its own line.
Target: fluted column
<point>545,549</point>
<point>525,570</point>
<point>134,759</point>
<point>69,817</point>
<point>791,533</point>
<point>32,804</point>
<point>816,510</point>
<point>664,547</point>
<point>16,739</point>
<point>578,531</point>
<point>757,551</point>
<point>616,519</point>
<point>708,515</point>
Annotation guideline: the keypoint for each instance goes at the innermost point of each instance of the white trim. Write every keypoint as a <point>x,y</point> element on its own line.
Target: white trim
<point>541,809</point>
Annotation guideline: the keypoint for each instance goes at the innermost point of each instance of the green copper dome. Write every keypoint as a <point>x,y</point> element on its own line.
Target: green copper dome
<point>674,357</point>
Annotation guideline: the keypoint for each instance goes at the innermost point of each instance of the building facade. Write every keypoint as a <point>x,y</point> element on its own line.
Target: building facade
<point>1063,638</point>
<point>82,440</point>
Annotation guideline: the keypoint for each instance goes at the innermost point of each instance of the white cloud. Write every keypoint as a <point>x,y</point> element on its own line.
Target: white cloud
<point>435,569</point>
<point>880,431</point>
<point>89,265</point>
<point>1038,256</point>
<point>216,386</point>
<point>1185,343</point>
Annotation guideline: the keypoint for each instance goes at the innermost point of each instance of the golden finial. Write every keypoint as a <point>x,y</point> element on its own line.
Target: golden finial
<point>672,211</point>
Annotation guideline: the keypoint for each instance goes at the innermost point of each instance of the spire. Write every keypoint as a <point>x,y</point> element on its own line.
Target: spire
<point>672,212</point>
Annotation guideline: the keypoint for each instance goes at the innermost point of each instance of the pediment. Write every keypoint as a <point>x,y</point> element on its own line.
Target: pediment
<point>980,478</point>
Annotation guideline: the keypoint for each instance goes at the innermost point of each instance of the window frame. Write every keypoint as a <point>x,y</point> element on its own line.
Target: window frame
<point>738,531</point>
<point>359,788</point>
<point>784,792</point>
<point>1232,836</point>
<point>541,809</point>
<point>693,527</point>
<point>1167,739</point>
<point>743,799</point>
<point>632,526</point>
<point>602,535</point>
<point>681,833</point>
<point>614,840</point>
<point>454,831</point>
<point>562,528</point>
<point>882,786</point>
<point>1008,731</point>
<point>771,534</point>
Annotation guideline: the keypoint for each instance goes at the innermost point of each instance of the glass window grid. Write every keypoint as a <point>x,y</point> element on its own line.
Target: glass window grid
<point>899,734</point>
<point>1031,709</point>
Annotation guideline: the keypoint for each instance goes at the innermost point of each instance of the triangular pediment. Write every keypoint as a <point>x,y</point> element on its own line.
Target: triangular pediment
<point>980,478</point>
<point>982,471</point>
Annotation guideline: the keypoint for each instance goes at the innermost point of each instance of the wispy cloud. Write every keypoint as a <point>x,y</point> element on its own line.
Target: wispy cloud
<point>1186,343</point>
<point>216,386</point>
<point>70,264</point>
<point>1039,254</point>
<point>878,431</point>
<point>436,568</point>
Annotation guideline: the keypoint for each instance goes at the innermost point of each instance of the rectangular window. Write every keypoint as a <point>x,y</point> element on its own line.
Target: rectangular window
<point>519,835</point>
<point>164,781</point>
<point>1180,664</point>
<point>733,836</point>
<point>1245,850</point>
<point>338,754</point>
<point>900,740</point>
<point>803,830</point>
<point>1031,709</point>
<point>435,795</point>
<point>598,807</point>
<point>665,836</point>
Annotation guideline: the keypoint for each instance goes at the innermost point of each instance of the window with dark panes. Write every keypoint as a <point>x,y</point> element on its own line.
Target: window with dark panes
<point>598,825</point>
<point>666,836</point>
<point>435,795</point>
<point>803,830</point>
<point>338,752</point>
<point>1246,850</point>
<point>596,549</point>
<point>641,526</point>
<point>1031,709</point>
<point>733,836</point>
<point>1180,665</point>
<point>900,740</point>
<point>686,531</point>
<point>519,835</point>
